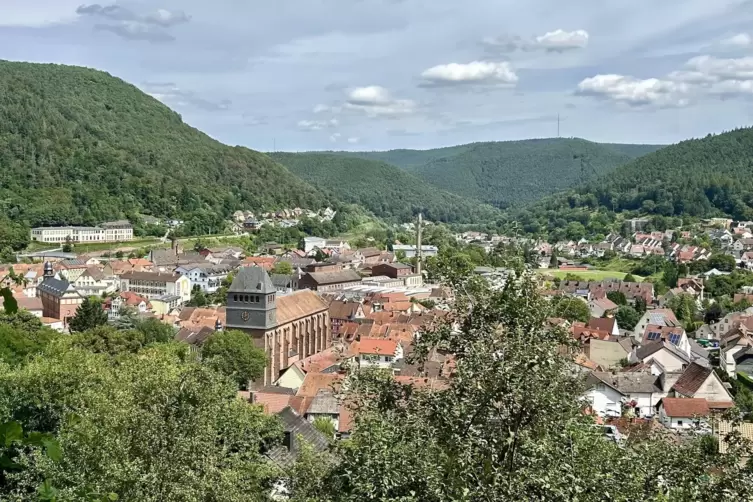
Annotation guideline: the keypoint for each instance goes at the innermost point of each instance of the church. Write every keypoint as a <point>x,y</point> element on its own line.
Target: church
<point>287,327</point>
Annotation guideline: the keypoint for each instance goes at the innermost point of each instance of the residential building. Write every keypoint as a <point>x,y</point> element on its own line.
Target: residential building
<point>398,271</point>
<point>379,352</point>
<point>682,413</point>
<point>156,284</point>
<point>287,328</point>
<point>341,312</point>
<point>608,353</point>
<point>601,306</point>
<point>116,231</point>
<point>163,305</point>
<point>207,277</point>
<point>701,382</point>
<point>669,357</point>
<point>608,393</point>
<point>329,281</point>
<point>608,324</point>
<point>656,317</point>
<point>92,282</point>
<point>311,243</point>
<point>410,250</point>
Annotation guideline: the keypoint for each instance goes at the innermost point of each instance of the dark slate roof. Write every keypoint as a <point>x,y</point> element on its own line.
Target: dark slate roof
<point>324,402</point>
<point>296,426</point>
<point>650,348</point>
<point>629,383</point>
<point>53,286</point>
<point>75,263</point>
<point>252,280</point>
<point>282,280</point>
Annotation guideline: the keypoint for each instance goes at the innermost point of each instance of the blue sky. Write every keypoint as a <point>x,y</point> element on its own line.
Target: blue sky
<point>379,74</point>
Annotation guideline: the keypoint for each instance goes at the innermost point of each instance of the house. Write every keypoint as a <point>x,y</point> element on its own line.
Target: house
<point>208,277</point>
<point>601,306</point>
<point>410,250</point>
<point>72,269</point>
<point>284,283</point>
<point>60,300</point>
<point>370,256</point>
<point>310,243</point>
<point>93,282</point>
<point>701,382</point>
<point>682,413</point>
<point>329,281</point>
<point>666,354</point>
<point>608,324</point>
<point>163,305</point>
<point>295,429</point>
<point>674,334</point>
<point>33,305</point>
<point>398,271</point>
<point>378,352</point>
<point>156,284</point>
<point>657,317</point>
<point>324,405</point>
<point>608,393</point>
<point>341,312</point>
<point>608,353</point>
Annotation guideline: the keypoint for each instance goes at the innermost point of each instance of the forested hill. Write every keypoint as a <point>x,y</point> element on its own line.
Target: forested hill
<point>382,188</point>
<point>78,146</point>
<point>510,172</point>
<point>712,176</point>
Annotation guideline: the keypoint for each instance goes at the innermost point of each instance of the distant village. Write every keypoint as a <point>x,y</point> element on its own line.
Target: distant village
<point>326,306</point>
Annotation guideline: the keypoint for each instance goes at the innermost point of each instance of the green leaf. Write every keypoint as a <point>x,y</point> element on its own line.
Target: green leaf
<point>46,491</point>
<point>53,450</point>
<point>113,496</point>
<point>10,432</point>
<point>6,464</point>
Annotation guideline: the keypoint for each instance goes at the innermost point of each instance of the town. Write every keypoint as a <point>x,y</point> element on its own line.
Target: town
<point>670,354</point>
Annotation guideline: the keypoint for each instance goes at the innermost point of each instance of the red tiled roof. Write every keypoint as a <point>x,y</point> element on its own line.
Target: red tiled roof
<point>685,407</point>
<point>314,382</point>
<point>603,324</point>
<point>377,346</point>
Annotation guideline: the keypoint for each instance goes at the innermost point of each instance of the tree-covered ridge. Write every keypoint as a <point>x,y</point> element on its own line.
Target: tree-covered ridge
<point>384,189</point>
<point>693,179</point>
<point>78,146</point>
<point>510,172</point>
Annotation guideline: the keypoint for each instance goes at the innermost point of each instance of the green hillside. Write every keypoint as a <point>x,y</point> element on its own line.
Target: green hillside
<point>382,188</point>
<point>510,172</point>
<point>78,146</point>
<point>695,178</point>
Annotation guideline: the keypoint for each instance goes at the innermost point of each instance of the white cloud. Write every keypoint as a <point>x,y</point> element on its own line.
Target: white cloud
<point>335,137</point>
<point>317,125</point>
<point>560,40</point>
<point>476,72</point>
<point>353,140</point>
<point>740,40</point>
<point>635,92</point>
<point>722,69</point>
<point>553,41</point>
<point>321,109</point>
<point>376,101</point>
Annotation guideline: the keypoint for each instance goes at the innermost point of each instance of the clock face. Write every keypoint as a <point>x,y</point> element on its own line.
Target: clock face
<point>244,315</point>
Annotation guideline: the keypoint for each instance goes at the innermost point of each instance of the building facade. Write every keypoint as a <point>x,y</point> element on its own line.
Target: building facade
<point>288,328</point>
<point>115,231</point>
<point>156,284</point>
<point>60,300</point>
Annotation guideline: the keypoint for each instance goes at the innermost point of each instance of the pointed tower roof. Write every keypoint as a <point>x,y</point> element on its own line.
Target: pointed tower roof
<point>252,280</point>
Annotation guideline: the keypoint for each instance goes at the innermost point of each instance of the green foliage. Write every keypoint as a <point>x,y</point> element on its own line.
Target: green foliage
<point>152,426</point>
<point>570,308</point>
<point>22,335</point>
<point>693,179</point>
<point>618,297</point>
<point>723,262</point>
<point>233,353</point>
<point>325,425</point>
<point>671,274</point>
<point>684,307</point>
<point>108,340</point>
<point>89,314</point>
<point>154,330</point>
<point>383,189</point>
<point>640,303</point>
<point>627,317</point>
<point>510,172</point>
<point>78,146</point>
<point>283,268</point>
<point>10,305</point>
<point>198,298</point>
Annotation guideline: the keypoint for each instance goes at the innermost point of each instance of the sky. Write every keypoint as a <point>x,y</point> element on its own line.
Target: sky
<point>296,75</point>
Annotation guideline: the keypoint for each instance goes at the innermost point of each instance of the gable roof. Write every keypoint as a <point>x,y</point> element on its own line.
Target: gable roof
<point>297,305</point>
<point>605,323</point>
<point>651,348</point>
<point>335,277</point>
<point>252,280</point>
<point>692,379</point>
<point>685,407</point>
<point>628,383</point>
<point>372,346</point>
<point>56,287</point>
<point>295,426</point>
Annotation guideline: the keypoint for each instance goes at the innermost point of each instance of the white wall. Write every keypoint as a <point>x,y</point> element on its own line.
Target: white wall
<point>604,399</point>
<point>670,362</point>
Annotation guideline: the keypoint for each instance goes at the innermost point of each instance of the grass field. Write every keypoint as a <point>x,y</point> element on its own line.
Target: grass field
<point>589,275</point>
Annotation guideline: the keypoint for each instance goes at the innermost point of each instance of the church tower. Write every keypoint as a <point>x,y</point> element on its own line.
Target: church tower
<point>251,301</point>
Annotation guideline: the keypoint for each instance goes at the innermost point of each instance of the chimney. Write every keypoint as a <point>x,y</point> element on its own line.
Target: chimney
<point>418,245</point>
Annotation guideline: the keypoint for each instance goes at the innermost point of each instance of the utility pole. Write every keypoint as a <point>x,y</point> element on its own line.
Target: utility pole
<point>558,125</point>
<point>419,253</point>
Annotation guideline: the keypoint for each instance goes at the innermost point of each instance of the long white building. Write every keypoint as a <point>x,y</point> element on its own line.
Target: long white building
<point>114,231</point>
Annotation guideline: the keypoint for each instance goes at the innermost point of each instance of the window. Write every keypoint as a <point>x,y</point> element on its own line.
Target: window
<point>245,298</point>
<point>679,423</point>
<point>235,298</point>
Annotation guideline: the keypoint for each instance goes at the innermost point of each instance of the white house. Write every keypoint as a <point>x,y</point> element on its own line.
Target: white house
<point>683,413</point>
<point>207,277</point>
<point>379,352</point>
<point>608,392</point>
<point>93,282</point>
<point>701,382</point>
<point>309,243</point>
<point>658,317</point>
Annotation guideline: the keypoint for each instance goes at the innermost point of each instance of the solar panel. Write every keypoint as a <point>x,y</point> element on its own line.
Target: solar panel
<point>674,338</point>
<point>653,335</point>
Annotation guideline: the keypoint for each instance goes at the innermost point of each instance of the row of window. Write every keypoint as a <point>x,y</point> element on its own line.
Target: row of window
<point>250,298</point>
